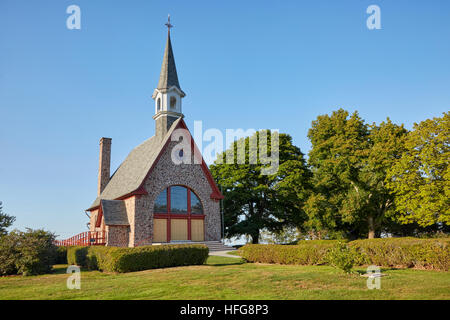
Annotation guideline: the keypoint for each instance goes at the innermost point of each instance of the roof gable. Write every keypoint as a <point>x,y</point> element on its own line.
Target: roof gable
<point>114,212</point>
<point>131,175</point>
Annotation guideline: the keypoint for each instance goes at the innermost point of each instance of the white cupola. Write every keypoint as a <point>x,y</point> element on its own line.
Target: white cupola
<point>168,93</point>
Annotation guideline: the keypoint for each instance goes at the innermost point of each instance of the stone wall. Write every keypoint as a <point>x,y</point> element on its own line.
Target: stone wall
<point>165,174</point>
<point>117,236</point>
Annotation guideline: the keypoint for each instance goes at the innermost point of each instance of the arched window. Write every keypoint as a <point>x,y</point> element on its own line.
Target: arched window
<point>161,202</point>
<point>196,205</point>
<point>159,104</point>
<point>178,200</point>
<point>173,102</point>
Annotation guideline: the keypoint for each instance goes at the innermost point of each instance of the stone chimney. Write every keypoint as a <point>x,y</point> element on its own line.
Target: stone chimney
<point>104,164</point>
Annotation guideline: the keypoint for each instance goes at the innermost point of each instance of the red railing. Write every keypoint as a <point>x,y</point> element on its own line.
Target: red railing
<point>88,238</point>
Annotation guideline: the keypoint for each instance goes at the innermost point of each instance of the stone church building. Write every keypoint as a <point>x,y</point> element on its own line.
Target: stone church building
<point>149,199</point>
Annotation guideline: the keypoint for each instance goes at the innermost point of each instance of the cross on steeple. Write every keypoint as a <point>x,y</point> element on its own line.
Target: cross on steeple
<point>169,26</point>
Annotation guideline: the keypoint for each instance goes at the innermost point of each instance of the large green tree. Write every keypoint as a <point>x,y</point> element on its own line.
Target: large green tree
<point>370,201</point>
<point>339,142</point>
<point>254,200</point>
<point>420,180</point>
<point>5,221</point>
<point>349,160</point>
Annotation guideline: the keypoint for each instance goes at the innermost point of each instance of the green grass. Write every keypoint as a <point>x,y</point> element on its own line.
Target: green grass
<point>230,278</point>
<point>234,252</point>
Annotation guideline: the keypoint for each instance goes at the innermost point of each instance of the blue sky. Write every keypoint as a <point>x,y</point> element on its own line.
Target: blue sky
<point>243,64</point>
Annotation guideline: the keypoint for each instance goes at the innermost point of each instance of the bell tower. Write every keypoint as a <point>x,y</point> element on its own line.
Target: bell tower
<point>168,93</point>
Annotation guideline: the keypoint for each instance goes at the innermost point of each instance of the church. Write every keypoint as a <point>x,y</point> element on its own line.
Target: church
<point>150,199</point>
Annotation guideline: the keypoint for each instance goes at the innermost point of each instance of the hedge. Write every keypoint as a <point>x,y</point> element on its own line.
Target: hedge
<point>76,255</point>
<point>406,252</point>
<point>389,252</point>
<point>306,252</point>
<point>113,259</point>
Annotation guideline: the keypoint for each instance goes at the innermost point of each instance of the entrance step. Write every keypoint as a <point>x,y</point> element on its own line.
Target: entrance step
<point>212,245</point>
<point>218,246</point>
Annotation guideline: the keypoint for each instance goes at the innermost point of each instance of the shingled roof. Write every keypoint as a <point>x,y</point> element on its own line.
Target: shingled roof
<point>114,212</point>
<point>168,77</point>
<point>132,172</point>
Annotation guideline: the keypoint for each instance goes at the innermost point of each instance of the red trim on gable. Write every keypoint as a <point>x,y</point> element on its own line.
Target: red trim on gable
<point>216,195</point>
<point>138,192</point>
<point>98,222</point>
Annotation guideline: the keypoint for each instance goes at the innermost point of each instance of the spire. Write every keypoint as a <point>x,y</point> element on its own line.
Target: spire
<point>168,76</point>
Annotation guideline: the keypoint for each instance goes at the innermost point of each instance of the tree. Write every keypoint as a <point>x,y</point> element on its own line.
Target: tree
<point>255,201</point>
<point>28,253</point>
<point>370,200</point>
<point>339,145</point>
<point>420,180</point>
<point>288,235</point>
<point>349,160</point>
<point>5,221</point>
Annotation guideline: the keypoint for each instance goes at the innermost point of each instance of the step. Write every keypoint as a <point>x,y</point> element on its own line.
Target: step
<point>212,245</point>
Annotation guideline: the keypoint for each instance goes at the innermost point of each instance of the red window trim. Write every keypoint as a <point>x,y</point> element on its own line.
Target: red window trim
<point>170,215</point>
<point>168,198</point>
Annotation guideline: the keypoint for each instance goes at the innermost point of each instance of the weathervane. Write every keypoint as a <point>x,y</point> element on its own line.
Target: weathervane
<point>169,26</point>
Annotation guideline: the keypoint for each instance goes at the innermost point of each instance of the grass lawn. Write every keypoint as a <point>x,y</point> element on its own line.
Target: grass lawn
<point>230,278</point>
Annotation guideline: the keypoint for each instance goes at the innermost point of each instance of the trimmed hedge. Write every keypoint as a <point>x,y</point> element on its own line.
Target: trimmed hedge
<point>113,259</point>
<point>406,252</point>
<point>389,252</point>
<point>306,252</point>
<point>76,255</point>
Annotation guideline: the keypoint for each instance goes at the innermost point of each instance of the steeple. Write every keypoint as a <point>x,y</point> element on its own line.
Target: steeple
<point>168,77</point>
<point>168,93</point>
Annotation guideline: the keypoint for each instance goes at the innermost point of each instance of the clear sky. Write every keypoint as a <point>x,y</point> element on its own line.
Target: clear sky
<point>243,64</point>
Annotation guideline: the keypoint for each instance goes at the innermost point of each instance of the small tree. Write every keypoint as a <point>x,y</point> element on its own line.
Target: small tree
<point>28,253</point>
<point>341,256</point>
<point>5,221</point>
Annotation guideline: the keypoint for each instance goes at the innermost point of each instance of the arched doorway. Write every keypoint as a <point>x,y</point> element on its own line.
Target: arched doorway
<point>178,216</point>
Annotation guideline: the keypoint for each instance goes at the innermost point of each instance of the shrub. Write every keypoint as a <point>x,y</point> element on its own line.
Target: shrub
<point>28,253</point>
<point>151,257</point>
<point>406,252</point>
<point>8,255</point>
<point>388,252</point>
<point>113,259</point>
<point>76,255</point>
<point>306,253</point>
<point>61,255</point>
<point>342,256</point>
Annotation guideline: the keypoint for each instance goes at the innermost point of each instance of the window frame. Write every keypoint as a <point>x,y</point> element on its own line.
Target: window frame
<point>175,215</point>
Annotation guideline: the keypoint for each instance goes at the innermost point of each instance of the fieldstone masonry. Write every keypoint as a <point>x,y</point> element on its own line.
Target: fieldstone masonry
<point>166,174</point>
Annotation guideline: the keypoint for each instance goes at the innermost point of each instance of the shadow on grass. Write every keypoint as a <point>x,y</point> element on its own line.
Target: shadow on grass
<point>384,269</point>
<point>224,264</point>
<point>218,261</point>
<point>62,269</point>
<point>59,269</point>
